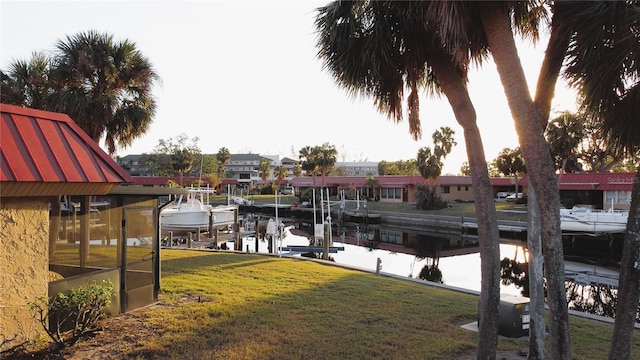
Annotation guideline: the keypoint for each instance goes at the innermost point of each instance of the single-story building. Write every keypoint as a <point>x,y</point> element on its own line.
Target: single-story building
<point>595,190</point>
<point>185,181</point>
<point>109,233</point>
<point>388,188</point>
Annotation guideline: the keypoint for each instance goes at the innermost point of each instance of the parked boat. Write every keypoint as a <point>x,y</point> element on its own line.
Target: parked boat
<point>188,214</point>
<point>194,213</point>
<point>581,219</point>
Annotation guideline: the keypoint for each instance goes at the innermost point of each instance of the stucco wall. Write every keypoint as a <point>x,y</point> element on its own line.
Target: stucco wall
<point>24,266</point>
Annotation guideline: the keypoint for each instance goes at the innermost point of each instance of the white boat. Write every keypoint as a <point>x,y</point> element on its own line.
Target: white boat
<point>585,220</point>
<point>194,213</point>
<point>188,214</point>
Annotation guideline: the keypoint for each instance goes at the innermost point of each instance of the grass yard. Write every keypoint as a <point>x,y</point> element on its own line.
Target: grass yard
<point>247,306</point>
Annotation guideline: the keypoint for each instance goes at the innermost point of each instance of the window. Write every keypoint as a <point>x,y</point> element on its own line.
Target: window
<point>466,188</point>
<point>617,197</point>
<point>393,237</point>
<point>445,189</point>
<point>391,193</point>
<point>459,187</point>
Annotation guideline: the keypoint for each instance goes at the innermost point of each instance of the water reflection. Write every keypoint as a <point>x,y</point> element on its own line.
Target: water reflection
<point>455,261</point>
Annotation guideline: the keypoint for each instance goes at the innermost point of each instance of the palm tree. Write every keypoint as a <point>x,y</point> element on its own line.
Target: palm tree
<point>264,169</point>
<point>600,41</point>
<point>105,86</point>
<point>372,184</point>
<point>281,172</point>
<point>604,66</point>
<point>443,141</point>
<point>510,163</point>
<point>381,49</point>
<point>223,157</point>
<point>307,156</point>
<point>564,133</point>
<point>27,82</point>
<point>326,156</point>
<point>429,165</point>
<point>530,118</point>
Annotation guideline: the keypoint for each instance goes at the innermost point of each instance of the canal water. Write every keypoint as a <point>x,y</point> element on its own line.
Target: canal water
<point>455,261</point>
<point>460,270</point>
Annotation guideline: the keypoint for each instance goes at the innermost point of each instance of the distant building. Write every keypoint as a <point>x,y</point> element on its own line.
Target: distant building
<point>358,168</point>
<point>132,164</point>
<point>245,168</point>
<point>290,164</point>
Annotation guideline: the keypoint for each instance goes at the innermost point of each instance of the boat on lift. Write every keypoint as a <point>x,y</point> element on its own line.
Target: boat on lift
<point>586,220</point>
<point>195,213</point>
<point>188,214</point>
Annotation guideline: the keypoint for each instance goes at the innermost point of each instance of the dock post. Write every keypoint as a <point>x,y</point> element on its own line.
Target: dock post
<point>236,231</point>
<point>189,238</point>
<point>325,241</point>
<point>378,266</point>
<point>170,238</point>
<point>255,229</point>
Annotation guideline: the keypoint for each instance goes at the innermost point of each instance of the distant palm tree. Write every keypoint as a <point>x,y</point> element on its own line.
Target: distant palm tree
<point>297,170</point>
<point>326,157</point>
<point>372,184</point>
<point>443,141</point>
<point>223,158</point>
<point>281,172</point>
<point>307,156</point>
<point>264,169</point>
<point>429,165</point>
<point>564,133</point>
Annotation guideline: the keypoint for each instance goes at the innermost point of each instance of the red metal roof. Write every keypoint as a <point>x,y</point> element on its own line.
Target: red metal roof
<point>162,180</point>
<point>45,147</point>
<point>386,181</point>
<point>595,181</point>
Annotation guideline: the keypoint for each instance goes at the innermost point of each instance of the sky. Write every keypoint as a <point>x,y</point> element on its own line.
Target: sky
<point>245,75</point>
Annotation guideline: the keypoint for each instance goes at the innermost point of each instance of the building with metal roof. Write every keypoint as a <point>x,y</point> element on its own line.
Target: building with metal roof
<point>109,233</point>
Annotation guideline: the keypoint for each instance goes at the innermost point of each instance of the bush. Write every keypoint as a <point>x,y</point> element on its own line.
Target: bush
<point>268,189</point>
<point>427,198</point>
<point>75,312</point>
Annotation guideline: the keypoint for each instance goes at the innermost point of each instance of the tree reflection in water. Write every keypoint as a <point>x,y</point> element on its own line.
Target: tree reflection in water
<point>593,298</point>
<point>429,247</point>
<point>514,272</point>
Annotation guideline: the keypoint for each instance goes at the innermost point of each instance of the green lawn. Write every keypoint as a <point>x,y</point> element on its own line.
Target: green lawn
<point>248,306</point>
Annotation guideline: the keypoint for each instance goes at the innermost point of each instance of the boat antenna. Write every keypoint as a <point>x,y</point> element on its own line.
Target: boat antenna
<point>201,165</point>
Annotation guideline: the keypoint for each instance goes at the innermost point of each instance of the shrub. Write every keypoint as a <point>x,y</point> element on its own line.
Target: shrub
<point>75,311</point>
<point>428,198</point>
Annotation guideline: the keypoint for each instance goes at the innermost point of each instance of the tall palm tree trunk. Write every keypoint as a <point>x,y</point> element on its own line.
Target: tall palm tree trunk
<point>536,278</point>
<point>488,233</point>
<point>629,283</point>
<point>540,168</point>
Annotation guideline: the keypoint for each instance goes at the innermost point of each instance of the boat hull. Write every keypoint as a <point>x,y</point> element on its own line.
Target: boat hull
<point>590,221</point>
<point>184,221</point>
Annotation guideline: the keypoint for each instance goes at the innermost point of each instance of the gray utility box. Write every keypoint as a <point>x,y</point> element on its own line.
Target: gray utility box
<point>514,316</point>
